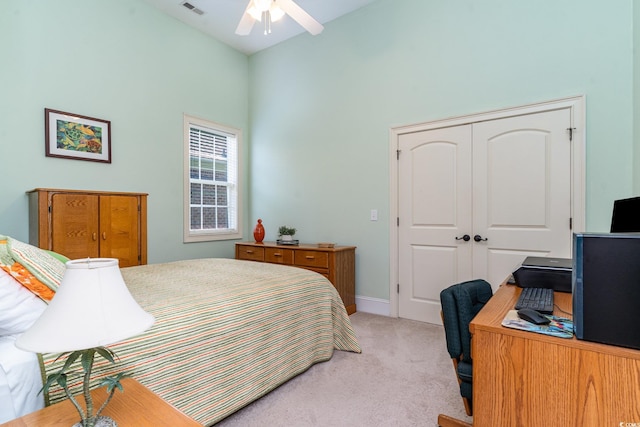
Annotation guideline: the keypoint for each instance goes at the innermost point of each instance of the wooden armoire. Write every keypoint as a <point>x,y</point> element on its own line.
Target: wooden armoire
<point>95,224</point>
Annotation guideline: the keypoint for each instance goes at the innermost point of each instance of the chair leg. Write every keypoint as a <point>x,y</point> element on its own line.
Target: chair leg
<point>467,406</point>
<point>447,421</point>
<point>467,402</point>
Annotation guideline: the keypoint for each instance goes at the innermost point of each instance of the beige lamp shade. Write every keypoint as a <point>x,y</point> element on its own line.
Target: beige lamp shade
<point>92,308</point>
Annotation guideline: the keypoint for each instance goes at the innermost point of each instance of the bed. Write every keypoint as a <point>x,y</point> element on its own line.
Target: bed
<point>226,333</point>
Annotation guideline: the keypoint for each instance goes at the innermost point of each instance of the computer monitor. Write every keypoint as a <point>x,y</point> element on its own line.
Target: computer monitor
<point>606,288</point>
<point>626,215</point>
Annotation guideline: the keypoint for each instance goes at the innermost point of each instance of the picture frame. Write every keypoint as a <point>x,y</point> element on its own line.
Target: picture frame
<point>73,136</point>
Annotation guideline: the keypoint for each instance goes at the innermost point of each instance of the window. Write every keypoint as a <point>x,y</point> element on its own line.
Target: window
<point>211,194</point>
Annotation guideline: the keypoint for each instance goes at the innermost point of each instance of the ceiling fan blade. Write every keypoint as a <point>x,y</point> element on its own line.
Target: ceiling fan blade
<point>300,16</point>
<point>246,22</point>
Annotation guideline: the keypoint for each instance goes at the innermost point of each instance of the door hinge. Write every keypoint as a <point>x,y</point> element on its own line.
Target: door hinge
<point>398,288</point>
<point>397,154</point>
<point>571,130</point>
<point>398,221</point>
<point>570,223</point>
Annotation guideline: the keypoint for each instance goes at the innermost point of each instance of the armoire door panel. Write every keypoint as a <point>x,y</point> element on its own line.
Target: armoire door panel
<point>119,229</point>
<point>74,219</point>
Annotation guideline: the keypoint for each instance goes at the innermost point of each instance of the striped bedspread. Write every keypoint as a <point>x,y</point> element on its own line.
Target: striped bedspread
<point>226,332</point>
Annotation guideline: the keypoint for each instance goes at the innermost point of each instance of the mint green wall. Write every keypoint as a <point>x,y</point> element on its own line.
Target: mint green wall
<point>322,107</point>
<point>123,61</point>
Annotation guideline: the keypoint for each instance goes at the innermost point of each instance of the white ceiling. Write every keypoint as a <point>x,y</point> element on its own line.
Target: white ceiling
<point>221,18</point>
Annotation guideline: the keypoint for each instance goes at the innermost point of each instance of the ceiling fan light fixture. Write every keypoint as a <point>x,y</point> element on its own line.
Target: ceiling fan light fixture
<point>276,13</point>
<point>262,5</point>
<point>255,13</point>
<point>268,11</point>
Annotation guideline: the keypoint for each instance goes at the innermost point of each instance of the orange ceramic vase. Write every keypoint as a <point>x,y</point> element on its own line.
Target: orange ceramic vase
<point>258,232</point>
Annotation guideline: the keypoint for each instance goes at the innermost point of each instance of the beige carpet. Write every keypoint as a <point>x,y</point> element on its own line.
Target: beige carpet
<point>404,377</point>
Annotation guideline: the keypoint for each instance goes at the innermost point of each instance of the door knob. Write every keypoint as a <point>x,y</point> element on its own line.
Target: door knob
<point>478,238</point>
<point>466,238</point>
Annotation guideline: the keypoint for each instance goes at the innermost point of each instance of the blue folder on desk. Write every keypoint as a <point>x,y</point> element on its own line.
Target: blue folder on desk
<point>559,326</point>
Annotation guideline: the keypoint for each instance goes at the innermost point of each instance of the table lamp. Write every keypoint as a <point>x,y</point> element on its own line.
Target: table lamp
<point>91,309</point>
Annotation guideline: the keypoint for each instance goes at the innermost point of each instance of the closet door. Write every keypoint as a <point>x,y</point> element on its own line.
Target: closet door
<point>435,214</point>
<point>522,191</point>
<point>74,225</point>
<point>504,183</point>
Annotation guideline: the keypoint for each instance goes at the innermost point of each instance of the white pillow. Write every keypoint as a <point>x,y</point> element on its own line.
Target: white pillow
<point>19,307</point>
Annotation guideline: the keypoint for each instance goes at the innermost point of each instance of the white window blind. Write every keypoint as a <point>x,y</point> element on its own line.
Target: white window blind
<point>212,182</point>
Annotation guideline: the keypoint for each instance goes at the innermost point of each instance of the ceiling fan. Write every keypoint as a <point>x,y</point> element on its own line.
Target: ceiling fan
<point>271,11</point>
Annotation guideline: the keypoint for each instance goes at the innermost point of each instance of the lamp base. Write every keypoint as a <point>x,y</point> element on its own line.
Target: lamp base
<point>101,421</point>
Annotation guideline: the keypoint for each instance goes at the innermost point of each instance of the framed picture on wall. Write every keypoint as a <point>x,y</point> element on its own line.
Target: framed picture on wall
<point>73,136</point>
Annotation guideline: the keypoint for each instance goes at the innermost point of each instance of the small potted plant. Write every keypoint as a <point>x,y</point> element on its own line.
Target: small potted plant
<point>286,233</point>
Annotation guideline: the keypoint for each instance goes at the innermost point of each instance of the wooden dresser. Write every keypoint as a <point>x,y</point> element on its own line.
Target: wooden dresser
<point>96,224</point>
<point>338,264</point>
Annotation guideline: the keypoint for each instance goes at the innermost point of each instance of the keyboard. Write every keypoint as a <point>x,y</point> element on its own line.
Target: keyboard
<point>538,299</point>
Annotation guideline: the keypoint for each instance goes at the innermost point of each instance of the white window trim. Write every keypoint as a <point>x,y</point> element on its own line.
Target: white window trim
<point>190,236</point>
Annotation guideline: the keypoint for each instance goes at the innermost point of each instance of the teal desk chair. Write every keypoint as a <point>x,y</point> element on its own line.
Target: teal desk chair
<point>460,304</point>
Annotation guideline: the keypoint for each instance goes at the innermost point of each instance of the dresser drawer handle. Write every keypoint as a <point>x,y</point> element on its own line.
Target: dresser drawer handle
<point>249,252</point>
<point>310,257</point>
<point>277,254</point>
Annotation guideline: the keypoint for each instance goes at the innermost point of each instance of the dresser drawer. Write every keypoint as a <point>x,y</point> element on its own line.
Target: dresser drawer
<point>337,264</point>
<point>251,253</point>
<point>311,259</point>
<point>278,255</point>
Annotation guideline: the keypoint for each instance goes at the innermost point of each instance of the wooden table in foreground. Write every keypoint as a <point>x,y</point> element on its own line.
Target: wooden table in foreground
<point>527,379</point>
<point>136,406</point>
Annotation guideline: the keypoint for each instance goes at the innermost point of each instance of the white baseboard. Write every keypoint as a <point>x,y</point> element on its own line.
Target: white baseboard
<point>372,305</point>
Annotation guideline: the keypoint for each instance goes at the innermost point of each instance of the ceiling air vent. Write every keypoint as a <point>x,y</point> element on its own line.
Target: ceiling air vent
<point>192,8</point>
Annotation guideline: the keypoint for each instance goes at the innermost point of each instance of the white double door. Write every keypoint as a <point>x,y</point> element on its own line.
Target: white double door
<point>474,200</point>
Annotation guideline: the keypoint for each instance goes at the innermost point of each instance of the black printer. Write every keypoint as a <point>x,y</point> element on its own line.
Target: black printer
<point>545,272</point>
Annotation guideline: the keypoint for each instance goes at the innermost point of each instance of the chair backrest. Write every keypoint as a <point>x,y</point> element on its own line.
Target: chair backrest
<point>460,304</point>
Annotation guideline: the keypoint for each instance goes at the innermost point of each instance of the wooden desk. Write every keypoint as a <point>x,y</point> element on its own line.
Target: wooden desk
<point>136,406</point>
<point>527,379</point>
